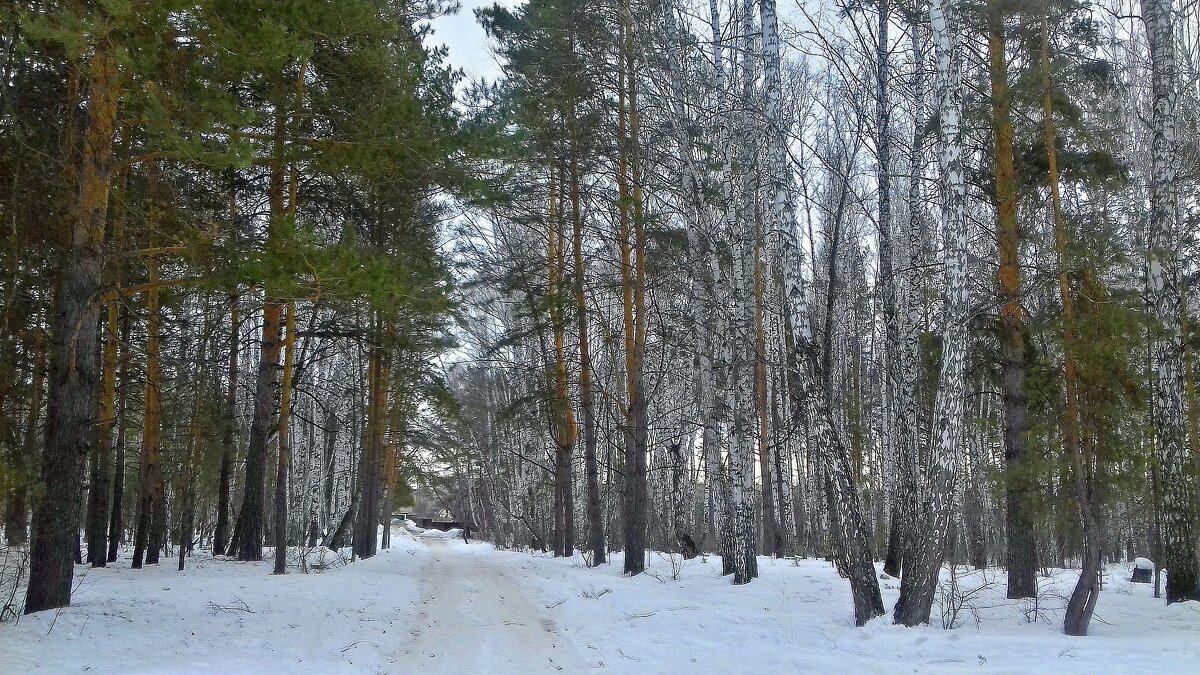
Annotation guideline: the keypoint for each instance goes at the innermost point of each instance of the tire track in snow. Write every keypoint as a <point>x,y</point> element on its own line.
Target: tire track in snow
<point>474,618</point>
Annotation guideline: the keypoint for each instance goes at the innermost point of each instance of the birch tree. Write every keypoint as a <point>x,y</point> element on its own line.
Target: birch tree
<point>1162,294</point>
<point>928,543</point>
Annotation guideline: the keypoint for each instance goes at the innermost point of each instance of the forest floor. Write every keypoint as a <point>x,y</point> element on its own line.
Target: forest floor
<point>440,605</point>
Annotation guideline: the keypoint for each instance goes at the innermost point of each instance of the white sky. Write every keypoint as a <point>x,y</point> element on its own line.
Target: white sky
<point>470,49</point>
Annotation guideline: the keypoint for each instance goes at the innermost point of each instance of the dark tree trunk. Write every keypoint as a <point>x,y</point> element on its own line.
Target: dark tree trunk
<point>587,403</point>
<point>893,560</point>
<point>564,504</point>
<point>74,381</point>
<point>370,469</point>
<point>236,539</point>
<point>331,433</point>
<point>228,444</point>
<point>16,520</point>
<point>337,538</point>
<point>976,535</point>
<point>116,526</point>
<point>101,461</point>
<point>250,520</point>
<point>151,526</point>
<point>1087,589</point>
<point>634,520</point>
<point>187,523</point>
<point>1021,553</point>
<point>266,385</point>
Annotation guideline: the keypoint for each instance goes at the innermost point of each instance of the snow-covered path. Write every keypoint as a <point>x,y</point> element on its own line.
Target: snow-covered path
<point>426,605</point>
<point>474,618</point>
<point>432,605</point>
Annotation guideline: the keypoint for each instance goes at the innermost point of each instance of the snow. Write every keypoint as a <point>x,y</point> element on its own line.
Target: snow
<point>452,533</point>
<point>437,604</point>
<point>1143,563</point>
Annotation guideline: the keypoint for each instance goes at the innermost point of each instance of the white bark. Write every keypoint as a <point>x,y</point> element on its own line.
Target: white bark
<point>847,515</point>
<point>920,577</point>
<point>1162,294</point>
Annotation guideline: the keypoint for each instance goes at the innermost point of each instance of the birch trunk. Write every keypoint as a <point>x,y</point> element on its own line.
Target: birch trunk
<point>847,513</point>
<point>921,574</point>
<point>1162,292</point>
<point>700,299</point>
<point>716,474</point>
<point>285,443</point>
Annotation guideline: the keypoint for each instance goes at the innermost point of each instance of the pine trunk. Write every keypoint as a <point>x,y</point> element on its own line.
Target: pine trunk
<point>564,428</point>
<point>101,474</point>
<point>370,468</point>
<point>228,442</point>
<point>587,402</point>
<point>1021,552</point>
<point>632,244</point>
<point>148,539</point>
<point>1083,598</point>
<point>249,528</point>
<point>75,375</point>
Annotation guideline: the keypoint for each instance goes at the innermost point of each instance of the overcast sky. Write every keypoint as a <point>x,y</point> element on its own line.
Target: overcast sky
<point>470,49</point>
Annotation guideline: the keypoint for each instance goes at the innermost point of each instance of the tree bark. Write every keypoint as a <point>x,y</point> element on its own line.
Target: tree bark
<point>228,442</point>
<point>370,468</point>
<point>919,582</point>
<point>148,539</point>
<point>101,474</point>
<point>1162,292</point>
<point>587,403</point>
<point>563,425</point>
<point>116,526</point>
<point>331,434</point>
<point>634,493</point>
<point>285,445</point>
<point>249,529</point>
<point>1083,598</point>
<point>16,523</point>
<point>846,514</point>
<point>74,373</point>
<point>1021,554</point>
<point>100,490</point>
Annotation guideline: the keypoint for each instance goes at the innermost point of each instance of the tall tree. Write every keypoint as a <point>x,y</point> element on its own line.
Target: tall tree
<point>75,374</point>
<point>1021,555</point>
<point>1162,293</point>
<point>929,543</point>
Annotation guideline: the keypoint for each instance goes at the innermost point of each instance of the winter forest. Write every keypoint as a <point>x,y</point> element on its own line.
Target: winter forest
<point>822,330</point>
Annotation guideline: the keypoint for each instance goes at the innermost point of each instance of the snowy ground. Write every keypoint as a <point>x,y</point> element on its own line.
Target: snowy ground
<point>439,605</point>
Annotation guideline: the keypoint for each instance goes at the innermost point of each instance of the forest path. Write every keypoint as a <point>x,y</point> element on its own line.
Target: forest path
<point>475,618</point>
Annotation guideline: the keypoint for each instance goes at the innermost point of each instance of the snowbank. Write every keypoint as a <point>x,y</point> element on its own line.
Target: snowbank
<point>453,533</point>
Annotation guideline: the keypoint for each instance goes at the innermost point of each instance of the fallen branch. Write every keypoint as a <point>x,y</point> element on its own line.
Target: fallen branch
<point>239,605</point>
